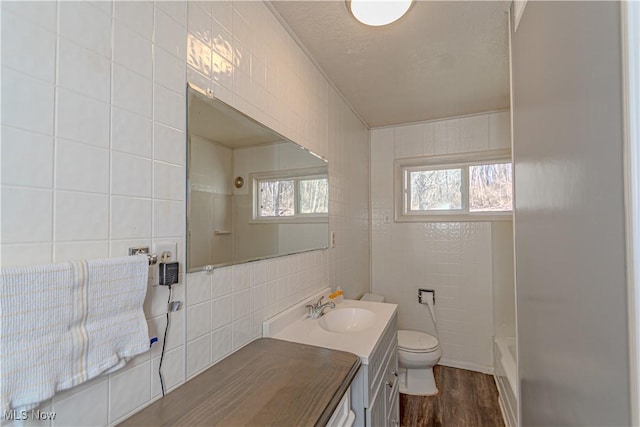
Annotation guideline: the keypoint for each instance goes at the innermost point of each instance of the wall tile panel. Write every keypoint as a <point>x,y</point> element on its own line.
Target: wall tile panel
<point>454,259</point>
<point>110,90</point>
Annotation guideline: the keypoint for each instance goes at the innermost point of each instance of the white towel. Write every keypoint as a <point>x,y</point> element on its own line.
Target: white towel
<point>63,324</point>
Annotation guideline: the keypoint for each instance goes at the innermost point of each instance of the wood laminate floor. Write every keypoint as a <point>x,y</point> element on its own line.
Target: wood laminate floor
<point>465,399</point>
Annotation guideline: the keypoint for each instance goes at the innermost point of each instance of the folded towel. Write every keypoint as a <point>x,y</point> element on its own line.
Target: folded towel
<point>61,325</point>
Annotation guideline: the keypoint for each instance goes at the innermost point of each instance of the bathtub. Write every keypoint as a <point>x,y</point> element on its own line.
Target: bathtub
<point>506,377</point>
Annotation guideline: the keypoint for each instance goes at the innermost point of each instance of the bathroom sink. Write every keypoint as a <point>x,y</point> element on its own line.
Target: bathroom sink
<point>353,326</point>
<point>346,320</point>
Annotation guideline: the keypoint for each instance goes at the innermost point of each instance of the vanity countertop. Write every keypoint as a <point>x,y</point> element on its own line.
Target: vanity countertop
<point>294,325</point>
<point>267,382</point>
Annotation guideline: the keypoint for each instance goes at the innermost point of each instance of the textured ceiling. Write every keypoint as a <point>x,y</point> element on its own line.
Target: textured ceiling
<point>441,59</point>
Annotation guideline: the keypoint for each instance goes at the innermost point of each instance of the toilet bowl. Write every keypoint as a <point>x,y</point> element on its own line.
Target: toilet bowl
<point>418,353</point>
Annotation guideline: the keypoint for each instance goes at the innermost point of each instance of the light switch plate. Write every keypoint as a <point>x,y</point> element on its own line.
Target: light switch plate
<point>386,216</point>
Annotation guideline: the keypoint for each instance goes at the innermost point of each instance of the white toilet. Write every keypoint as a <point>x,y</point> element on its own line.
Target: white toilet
<point>418,353</point>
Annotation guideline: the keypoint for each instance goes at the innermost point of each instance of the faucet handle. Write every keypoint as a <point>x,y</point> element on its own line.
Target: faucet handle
<point>319,303</point>
<point>310,308</point>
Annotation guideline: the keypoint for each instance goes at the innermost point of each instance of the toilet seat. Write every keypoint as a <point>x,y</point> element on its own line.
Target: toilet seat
<point>416,342</point>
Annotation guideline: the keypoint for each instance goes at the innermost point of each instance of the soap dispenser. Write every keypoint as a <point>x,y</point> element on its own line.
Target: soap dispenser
<point>337,296</point>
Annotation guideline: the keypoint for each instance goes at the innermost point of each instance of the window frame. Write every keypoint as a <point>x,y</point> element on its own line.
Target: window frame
<point>295,175</point>
<point>402,167</point>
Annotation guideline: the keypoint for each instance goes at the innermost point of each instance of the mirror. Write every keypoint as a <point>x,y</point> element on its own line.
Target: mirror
<point>251,193</point>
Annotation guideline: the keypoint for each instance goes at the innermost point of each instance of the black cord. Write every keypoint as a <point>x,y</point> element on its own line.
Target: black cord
<point>164,344</point>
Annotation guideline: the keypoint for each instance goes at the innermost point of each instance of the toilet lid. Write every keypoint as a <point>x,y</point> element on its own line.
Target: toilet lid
<point>416,341</point>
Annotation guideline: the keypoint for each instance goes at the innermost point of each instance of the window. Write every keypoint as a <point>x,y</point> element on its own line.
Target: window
<point>490,187</point>
<point>293,196</point>
<point>472,188</point>
<point>276,198</point>
<point>434,190</point>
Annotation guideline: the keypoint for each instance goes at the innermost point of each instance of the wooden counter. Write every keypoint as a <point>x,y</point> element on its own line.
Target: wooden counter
<point>268,382</point>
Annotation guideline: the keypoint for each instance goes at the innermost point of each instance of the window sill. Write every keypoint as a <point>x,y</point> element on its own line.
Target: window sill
<point>294,220</point>
<point>461,217</point>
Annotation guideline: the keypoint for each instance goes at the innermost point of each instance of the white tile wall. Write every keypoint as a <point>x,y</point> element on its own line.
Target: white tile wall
<point>231,302</point>
<point>18,144</point>
<point>131,133</point>
<point>81,118</point>
<point>79,408</point>
<point>87,25</point>
<point>130,389</point>
<point>27,102</point>
<point>93,155</point>
<point>132,91</point>
<point>81,216</point>
<point>73,60</point>
<point>26,214</point>
<point>131,49</point>
<point>90,175</point>
<point>36,53</point>
<point>173,369</point>
<point>130,217</point>
<point>453,258</point>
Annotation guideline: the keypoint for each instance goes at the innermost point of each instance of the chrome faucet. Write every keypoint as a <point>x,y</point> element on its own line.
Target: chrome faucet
<point>316,310</point>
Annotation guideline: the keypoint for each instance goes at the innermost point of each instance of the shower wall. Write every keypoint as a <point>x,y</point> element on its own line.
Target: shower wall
<point>573,357</point>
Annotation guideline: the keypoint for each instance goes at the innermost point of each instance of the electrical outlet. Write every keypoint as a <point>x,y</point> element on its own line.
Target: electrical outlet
<point>333,239</point>
<point>166,251</point>
<point>165,256</point>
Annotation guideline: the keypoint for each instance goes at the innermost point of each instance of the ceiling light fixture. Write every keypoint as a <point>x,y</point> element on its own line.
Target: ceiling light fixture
<point>378,12</point>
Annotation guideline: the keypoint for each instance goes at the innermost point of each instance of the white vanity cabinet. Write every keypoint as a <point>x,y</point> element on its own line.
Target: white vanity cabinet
<point>374,392</point>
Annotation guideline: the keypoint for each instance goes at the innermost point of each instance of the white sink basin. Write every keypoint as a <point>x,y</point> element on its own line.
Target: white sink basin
<point>354,326</point>
<point>347,320</point>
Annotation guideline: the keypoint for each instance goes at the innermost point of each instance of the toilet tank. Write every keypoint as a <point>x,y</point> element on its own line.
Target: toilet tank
<point>372,297</point>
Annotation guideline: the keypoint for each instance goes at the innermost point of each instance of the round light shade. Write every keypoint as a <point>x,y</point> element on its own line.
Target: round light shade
<point>379,12</point>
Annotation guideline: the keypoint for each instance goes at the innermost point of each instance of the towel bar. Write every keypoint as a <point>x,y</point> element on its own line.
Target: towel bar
<point>144,250</point>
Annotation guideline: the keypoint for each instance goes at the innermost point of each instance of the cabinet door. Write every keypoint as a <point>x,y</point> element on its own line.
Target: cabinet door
<point>376,411</point>
<point>393,409</point>
<point>391,390</point>
<point>391,377</point>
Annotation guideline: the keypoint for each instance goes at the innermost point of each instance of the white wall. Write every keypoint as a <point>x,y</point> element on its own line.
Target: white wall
<point>211,177</point>
<point>453,258</point>
<point>348,200</point>
<point>212,166</point>
<point>93,155</point>
<point>569,215</point>
<point>504,298</point>
<point>225,309</point>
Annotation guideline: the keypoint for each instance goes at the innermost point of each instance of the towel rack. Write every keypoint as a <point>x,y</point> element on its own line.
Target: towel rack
<point>144,250</point>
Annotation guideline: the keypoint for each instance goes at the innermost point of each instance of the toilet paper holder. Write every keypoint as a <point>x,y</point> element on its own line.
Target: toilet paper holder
<point>431,291</point>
